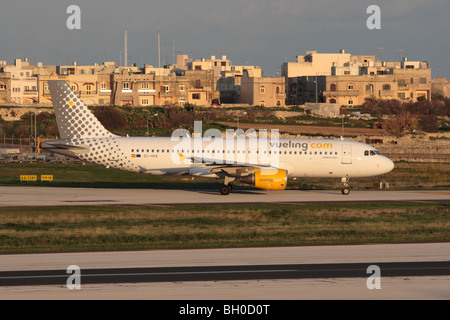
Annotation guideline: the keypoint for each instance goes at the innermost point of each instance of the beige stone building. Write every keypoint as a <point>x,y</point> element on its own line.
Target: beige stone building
<point>91,83</point>
<point>351,79</point>
<point>18,83</point>
<point>314,64</point>
<point>262,91</point>
<point>406,81</point>
<point>131,89</point>
<point>186,86</point>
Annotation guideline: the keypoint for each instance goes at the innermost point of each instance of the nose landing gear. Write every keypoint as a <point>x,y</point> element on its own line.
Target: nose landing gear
<point>345,188</point>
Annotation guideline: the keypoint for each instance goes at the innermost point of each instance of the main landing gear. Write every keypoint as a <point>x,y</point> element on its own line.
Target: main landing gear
<point>345,188</point>
<point>225,189</point>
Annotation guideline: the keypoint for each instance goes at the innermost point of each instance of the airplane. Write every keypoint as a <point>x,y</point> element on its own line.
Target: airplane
<point>264,163</point>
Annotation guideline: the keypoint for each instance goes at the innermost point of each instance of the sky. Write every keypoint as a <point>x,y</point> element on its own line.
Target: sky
<point>257,32</point>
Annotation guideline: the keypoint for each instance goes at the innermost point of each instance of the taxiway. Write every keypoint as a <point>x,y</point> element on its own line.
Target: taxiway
<point>54,196</point>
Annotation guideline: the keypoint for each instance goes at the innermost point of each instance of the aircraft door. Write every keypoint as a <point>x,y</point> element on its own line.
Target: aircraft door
<point>347,153</point>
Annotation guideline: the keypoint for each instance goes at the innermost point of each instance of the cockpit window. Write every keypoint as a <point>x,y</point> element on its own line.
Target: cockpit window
<point>371,152</point>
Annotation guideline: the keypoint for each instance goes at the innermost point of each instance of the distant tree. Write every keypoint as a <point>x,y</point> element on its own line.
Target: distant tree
<point>111,118</point>
<point>402,122</point>
<point>428,123</point>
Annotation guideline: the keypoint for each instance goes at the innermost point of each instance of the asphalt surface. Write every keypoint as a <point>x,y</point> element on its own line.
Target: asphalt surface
<point>53,196</point>
<point>225,273</point>
<point>407,271</point>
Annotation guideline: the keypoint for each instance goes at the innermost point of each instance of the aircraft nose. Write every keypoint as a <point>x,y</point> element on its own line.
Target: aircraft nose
<point>388,165</point>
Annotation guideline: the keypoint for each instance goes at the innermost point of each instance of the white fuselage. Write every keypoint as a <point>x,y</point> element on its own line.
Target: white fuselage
<point>299,157</point>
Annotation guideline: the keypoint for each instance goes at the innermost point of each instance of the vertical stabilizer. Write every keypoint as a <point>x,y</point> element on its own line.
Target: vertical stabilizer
<point>74,118</point>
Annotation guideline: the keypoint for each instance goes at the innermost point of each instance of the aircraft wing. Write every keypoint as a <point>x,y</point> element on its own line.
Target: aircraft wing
<point>237,169</point>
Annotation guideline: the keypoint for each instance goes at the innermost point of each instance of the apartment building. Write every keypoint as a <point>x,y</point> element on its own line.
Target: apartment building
<point>186,86</point>
<point>18,84</point>
<point>90,82</point>
<point>257,90</point>
<point>351,79</point>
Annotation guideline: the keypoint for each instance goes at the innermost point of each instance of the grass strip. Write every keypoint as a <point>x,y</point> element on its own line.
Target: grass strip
<point>96,228</point>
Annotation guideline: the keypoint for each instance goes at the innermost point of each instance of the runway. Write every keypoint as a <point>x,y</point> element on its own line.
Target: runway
<point>408,271</point>
<point>224,273</point>
<point>53,196</point>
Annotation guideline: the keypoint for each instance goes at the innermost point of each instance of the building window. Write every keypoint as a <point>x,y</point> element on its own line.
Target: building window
<point>333,87</point>
<point>401,95</point>
<point>144,85</point>
<point>88,89</point>
<point>165,88</point>
<point>126,86</point>
<point>196,96</point>
<point>386,87</point>
<point>198,84</point>
<point>401,82</point>
<point>103,86</point>
<point>350,101</point>
<point>262,89</point>
<point>332,100</point>
<point>350,86</point>
<point>262,104</point>
<point>182,87</point>
<point>278,90</point>
<point>422,80</point>
<point>144,101</point>
<point>369,88</point>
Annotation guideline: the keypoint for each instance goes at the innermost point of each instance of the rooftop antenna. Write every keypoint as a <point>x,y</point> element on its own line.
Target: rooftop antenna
<point>125,57</point>
<point>159,52</point>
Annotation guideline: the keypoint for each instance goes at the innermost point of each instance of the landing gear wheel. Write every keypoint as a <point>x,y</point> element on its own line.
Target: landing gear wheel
<point>225,189</point>
<point>345,189</point>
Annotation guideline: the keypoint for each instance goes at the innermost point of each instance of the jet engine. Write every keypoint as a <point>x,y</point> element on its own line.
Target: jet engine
<point>267,179</point>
